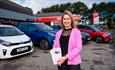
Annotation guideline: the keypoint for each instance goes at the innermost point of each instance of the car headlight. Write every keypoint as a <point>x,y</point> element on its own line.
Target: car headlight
<point>5,43</point>
<point>109,33</point>
<point>29,40</point>
<point>105,35</point>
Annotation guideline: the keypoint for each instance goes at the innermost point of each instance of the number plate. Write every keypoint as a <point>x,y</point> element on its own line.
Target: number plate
<point>22,49</point>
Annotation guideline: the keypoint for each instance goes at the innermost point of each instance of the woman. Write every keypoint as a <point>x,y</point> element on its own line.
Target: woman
<point>70,42</point>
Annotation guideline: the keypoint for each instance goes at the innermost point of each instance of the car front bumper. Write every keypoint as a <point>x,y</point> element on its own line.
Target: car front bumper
<point>15,50</point>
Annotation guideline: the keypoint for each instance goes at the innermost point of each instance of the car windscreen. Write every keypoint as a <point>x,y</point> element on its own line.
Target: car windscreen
<point>96,29</point>
<point>10,31</point>
<point>44,27</point>
<point>99,27</point>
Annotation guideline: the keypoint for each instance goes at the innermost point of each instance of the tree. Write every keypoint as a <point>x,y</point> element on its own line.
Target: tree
<point>80,8</point>
<point>76,8</point>
<point>62,8</point>
<point>111,7</point>
<point>94,8</point>
<point>31,11</point>
<point>102,6</point>
<point>111,10</point>
<point>38,12</point>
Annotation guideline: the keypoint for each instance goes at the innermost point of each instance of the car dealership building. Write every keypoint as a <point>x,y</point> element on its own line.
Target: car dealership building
<point>11,13</point>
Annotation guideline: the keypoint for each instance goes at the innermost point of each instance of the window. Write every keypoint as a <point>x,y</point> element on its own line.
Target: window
<point>32,28</point>
<point>23,26</point>
<point>89,28</point>
<point>44,27</point>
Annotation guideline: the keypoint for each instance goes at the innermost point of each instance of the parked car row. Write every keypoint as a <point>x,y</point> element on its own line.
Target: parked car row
<point>20,40</point>
<point>85,36</point>
<point>93,32</point>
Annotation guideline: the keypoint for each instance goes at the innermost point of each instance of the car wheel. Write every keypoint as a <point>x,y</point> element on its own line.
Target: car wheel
<point>83,41</point>
<point>43,44</point>
<point>99,39</point>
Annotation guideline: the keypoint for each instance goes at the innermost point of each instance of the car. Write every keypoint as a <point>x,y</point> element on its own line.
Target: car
<point>40,33</point>
<point>13,42</point>
<point>85,36</point>
<point>96,34</point>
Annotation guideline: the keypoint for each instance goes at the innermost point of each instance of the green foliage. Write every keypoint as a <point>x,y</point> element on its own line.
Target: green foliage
<point>76,8</point>
<point>81,8</point>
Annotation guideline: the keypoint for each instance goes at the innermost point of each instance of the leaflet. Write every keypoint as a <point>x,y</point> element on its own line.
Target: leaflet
<point>55,54</point>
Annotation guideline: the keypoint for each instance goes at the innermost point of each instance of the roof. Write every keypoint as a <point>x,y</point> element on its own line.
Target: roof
<point>7,14</point>
<point>8,5</point>
<point>49,14</point>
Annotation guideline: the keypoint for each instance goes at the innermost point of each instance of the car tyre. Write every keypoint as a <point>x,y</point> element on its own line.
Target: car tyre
<point>43,44</point>
<point>99,39</point>
<point>83,41</point>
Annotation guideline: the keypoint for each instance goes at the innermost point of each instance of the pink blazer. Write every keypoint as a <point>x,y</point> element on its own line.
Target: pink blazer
<point>74,46</point>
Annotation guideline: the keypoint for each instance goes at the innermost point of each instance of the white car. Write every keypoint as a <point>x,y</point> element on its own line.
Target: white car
<point>13,42</point>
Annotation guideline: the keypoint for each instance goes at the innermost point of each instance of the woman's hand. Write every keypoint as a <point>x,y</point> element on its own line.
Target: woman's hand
<point>61,60</point>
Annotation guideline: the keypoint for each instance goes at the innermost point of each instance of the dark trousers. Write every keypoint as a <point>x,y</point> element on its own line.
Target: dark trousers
<point>69,67</point>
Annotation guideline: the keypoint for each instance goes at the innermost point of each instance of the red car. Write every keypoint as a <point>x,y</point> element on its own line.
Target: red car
<point>96,34</point>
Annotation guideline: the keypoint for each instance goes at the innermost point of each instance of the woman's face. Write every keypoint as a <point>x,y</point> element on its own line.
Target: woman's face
<point>67,20</point>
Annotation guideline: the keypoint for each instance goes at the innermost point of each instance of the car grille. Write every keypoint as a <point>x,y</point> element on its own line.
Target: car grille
<point>20,43</point>
<point>15,52</point>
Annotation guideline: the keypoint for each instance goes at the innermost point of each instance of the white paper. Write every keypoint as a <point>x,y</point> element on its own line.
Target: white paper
<point>55,54</point>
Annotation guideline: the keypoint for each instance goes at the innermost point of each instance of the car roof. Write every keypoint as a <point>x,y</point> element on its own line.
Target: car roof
<point>37,23</point>
<point>30,23</point>
<point>6,26</point>
<point>84,25</point>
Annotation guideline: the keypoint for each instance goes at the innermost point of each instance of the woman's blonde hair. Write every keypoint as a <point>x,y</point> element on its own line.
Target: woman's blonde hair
<point>72,19</point>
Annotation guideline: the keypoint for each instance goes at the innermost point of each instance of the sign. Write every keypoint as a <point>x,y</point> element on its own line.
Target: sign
<point>54,18</point>
<point>95,18</point>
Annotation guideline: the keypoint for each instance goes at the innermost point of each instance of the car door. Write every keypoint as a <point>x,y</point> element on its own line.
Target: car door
<point>91,31</point>
<point>87,29</point>
<point>32,31</point>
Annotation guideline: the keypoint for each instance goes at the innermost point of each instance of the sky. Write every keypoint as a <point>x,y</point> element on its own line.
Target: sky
<point>37,5</point>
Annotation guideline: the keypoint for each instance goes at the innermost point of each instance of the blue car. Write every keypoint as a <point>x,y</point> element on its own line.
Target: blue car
<point>40,33</point>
